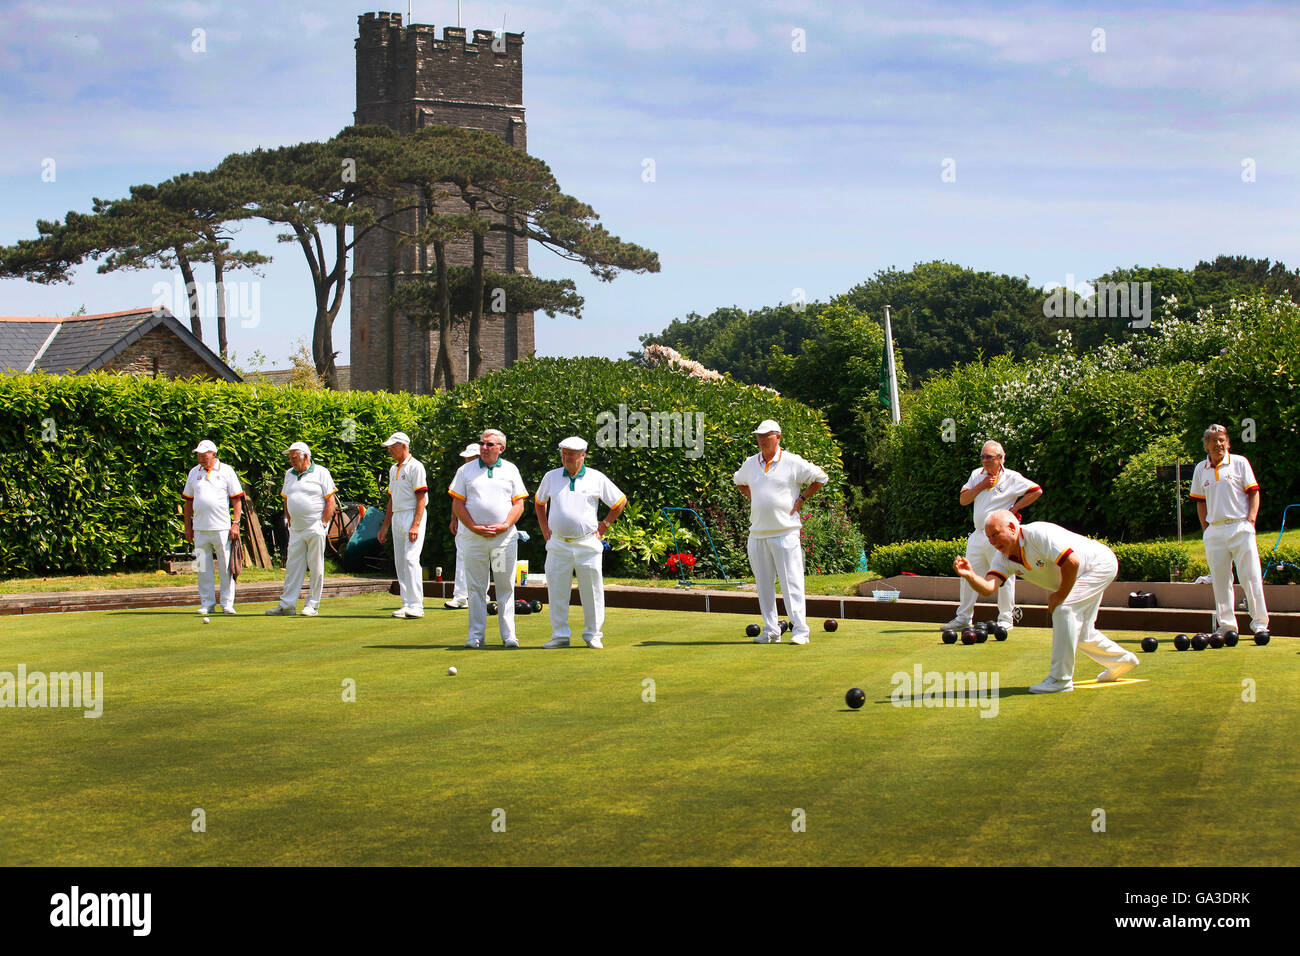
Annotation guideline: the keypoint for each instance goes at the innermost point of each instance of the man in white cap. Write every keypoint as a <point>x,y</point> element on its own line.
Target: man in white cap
<point>459,592</point>
<point>1227,502</point>
<point>211,488</point>
<point>1076,572</point>
<point>408,494</point>
<point>567,502</point>
<point>991,487</point>
<point>309,504</point>
<point>488,496</point>
<point>777,484</point>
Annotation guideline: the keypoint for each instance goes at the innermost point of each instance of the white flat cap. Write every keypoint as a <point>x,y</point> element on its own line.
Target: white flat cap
<point>205,445</point>
<point>298,446</point>
<point>472,450</point>
<point>574,443</point>
<point>767,425</point>
<point>397,438</point>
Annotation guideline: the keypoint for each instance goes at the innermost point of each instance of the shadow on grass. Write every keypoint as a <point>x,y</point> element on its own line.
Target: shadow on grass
<point>744,643</point>
<point>939,700</point>
<point>459,646</point>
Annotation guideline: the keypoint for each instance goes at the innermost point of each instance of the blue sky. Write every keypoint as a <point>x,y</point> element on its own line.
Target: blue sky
<point>775,170</point>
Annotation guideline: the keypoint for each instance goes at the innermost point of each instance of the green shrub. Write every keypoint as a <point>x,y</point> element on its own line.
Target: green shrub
<point>919,557</point>
<point>1280,573</point>
<point>91,467</point>
<point>1155,561</point>
<point>1144,505</point>
<point>831,542</point>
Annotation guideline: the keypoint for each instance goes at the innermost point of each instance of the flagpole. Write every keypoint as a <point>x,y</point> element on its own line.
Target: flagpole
<point>893,371</point>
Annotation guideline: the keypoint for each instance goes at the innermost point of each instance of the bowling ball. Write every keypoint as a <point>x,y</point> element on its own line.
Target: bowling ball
<point>492,607</point>
<point>1182,642</point>
<point>1216,640</point>
<point>1230,638</point>
<point>1200,642</point>
<point>1149,644</point>
<point>831,624</point>
<point>949,636</point>
<point>969,635</point>
<point>855,698</point>
<point>537,607</point>
<point>752,630</point>
<point>1262,636</point>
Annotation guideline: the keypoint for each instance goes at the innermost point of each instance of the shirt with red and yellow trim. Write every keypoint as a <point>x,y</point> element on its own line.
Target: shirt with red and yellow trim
<point>405,481</point>
<point>1007,489</point>
<point>211,493</point>
<point>489,491</point>
<point>305,495</point>
<point>1223,488</point>
<point>774,487</point>
<point>1045,547</point>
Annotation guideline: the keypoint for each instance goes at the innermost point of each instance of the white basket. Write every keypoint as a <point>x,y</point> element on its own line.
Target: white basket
<point>885,595</point>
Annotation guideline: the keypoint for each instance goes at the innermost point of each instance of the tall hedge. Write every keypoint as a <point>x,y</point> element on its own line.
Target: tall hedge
<point>91,467</point>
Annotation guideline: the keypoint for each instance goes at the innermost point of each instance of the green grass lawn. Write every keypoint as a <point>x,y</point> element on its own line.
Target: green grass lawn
<point>244,718</point>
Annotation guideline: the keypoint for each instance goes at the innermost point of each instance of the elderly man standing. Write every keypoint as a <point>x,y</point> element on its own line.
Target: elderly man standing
<point>488,496</point>
<point>992,487</point>
<point>777,483</point>
<point>1227,502</point>
<point>1076,572</point>
<point>210,489</point>
<point>459,592</point>
<point>567,502</point>
<point>309,504</point>
<point>408,493</point>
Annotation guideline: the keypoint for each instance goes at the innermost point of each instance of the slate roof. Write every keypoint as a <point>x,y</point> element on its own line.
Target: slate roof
<point>84,343</point>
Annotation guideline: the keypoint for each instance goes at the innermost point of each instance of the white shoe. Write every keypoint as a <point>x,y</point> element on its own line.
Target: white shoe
<point>557,642</point>
<point>1052,686</point>
<point>473,643</point>
<point>400,612</point>
<point>761,639</point>
<point>1007,627</point>
<point>279,611</point>
<point>205,611</point>
<point>798,638</point>
<point>415,612</point>
<point>456,605</point>
<point>595,643</point>
<point>228,609</point>
<point>511,642</point>
<point>1117,671</point>
<point>957,624</point>
<point>309,611</point>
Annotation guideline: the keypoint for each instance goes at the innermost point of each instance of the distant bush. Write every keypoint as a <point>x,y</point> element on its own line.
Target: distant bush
<point>918,557</point>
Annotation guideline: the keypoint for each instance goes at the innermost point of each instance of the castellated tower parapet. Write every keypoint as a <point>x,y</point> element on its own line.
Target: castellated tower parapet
<point>408,78</point>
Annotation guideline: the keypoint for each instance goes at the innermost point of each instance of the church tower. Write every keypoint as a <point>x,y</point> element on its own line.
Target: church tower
<point>408,78</point>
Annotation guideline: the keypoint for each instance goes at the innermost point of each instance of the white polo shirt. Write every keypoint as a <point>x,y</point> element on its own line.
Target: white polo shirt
<point>489,492</point>
<point>1045,547</point>
<point>211,493</point>
<point>1007,489</point>
<point>404,481</point>
<point>571,503</point>
<point>773,489</point>
<point>305,495</point>
<point>1223,489</point>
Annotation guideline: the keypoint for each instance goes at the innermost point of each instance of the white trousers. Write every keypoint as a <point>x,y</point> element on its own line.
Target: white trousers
<point>406,557</point>
<point>1226,545</point>
<point>769,557</point>
<point>563,559</point>
<point>487,559</point>
<point>1074,623</point>
<point>459,591</point>
<point>980,553</point>
<point>305,555</point>
<point>206,545</point>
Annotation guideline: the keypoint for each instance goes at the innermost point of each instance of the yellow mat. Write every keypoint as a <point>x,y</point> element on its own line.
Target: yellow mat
<point>1092,684</point>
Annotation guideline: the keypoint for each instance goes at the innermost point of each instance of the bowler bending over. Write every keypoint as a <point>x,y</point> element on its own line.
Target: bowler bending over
<point>1076,572</point>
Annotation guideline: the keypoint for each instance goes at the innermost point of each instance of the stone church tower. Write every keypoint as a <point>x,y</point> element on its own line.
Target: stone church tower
<point>408,78</point>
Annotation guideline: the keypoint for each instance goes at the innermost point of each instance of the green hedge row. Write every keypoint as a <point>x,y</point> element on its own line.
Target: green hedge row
<point>1091,429</point>
<point>91,467</point>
